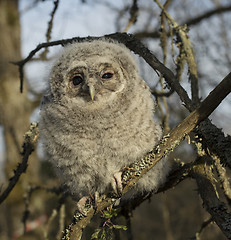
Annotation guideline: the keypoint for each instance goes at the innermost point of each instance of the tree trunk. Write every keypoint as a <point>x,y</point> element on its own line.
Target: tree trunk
<point>15,108</point>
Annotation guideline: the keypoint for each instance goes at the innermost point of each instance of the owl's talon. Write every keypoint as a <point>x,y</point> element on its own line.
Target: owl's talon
<point>81,205</point>
<point>85,203</point>
<point>116,183</point>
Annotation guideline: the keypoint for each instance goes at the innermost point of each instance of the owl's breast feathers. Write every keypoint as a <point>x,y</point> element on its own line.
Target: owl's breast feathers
<point>118,132</point>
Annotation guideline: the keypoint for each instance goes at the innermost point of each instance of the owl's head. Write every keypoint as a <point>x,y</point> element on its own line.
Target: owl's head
<point>93,71</point>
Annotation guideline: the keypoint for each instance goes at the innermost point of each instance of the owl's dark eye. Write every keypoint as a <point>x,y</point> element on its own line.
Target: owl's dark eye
<point>76,80</point>
<point>107,75</point>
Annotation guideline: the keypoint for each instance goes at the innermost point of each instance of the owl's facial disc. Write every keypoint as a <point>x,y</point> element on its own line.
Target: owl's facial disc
<point>96,81</point>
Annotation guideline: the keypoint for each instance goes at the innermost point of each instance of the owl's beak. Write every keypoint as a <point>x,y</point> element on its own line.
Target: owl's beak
<point>92,92</point>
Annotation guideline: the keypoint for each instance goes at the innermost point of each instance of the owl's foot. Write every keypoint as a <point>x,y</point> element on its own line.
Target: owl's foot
<point>116,183</point>
<point>82,205</point>
<point>85,203</point>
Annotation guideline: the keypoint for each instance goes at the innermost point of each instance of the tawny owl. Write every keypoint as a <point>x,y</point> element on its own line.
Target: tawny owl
<point>98,117</point>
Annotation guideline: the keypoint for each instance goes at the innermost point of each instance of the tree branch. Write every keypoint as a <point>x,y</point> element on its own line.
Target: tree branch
<point>187,50</point>
<point>133,15</point>
<point>28,147</point>
<point>190,22</point>
<point>50,26</point>
<point>208,14</point>
<point>203,174</point>
<point>216,141</point>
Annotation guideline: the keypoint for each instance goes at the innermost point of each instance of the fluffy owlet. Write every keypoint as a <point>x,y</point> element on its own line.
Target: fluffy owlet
<point>98,117</point>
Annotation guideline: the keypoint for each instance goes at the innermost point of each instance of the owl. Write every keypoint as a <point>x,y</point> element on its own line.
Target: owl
<point>97,117</point>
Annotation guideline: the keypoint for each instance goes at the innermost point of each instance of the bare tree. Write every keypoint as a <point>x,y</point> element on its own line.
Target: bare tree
<point>177,61</point>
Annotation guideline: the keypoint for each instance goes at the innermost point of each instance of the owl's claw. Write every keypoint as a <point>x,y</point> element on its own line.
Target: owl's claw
<point>82,205</point>
<point>85,203</point>
<point>116,183</point>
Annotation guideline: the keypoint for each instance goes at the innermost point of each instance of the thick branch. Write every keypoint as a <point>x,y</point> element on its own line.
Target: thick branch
<point>215,140</point>
<point>203,174</point>
<point>187,125</point>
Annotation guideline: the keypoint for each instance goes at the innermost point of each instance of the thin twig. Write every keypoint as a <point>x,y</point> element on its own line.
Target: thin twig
<point>208,14</point>
<point>133,15</point>
<point>62,215</point>
<point>27,198</point>
<point>203,226</point>
<point>49,222</point>
<point>28,147</point>
<point>31,190</point>
<point>163,40</point>
<point>190,22</point>
<point>50,26</point>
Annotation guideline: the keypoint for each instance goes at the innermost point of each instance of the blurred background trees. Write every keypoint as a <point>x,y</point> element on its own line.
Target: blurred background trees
<point>35,209</point>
